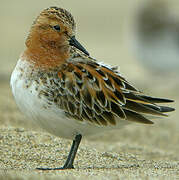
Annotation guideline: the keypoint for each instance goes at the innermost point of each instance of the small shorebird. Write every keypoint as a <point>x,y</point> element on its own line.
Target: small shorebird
<point>57,84</point>
<point>155,38</point>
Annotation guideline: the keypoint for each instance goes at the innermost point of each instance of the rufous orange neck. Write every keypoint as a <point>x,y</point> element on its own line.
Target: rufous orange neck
<point>45,54</point>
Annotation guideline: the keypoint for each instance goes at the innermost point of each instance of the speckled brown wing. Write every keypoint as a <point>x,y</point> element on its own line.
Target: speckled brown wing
<point>99,94</point>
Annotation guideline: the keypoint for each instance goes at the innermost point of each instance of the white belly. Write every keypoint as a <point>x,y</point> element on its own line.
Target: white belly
<point>50,118</point>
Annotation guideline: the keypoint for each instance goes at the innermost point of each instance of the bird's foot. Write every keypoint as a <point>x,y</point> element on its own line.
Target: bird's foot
<point>60,168</point>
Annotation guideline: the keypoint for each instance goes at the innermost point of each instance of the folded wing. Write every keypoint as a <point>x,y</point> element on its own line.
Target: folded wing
<point>90,91</point>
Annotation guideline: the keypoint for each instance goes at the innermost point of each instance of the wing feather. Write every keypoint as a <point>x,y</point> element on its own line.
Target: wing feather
<point>98,94</point>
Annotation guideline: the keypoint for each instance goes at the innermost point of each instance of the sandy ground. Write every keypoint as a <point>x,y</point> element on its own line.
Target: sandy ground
<point>135,152</point>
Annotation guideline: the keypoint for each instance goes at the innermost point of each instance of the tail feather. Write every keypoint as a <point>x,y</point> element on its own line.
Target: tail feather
<point>135,117</point>
<point>166,109</point>
<point>161,109</point>
<point>156,100</point>
<point>140,108</point>
<point>136,98</point>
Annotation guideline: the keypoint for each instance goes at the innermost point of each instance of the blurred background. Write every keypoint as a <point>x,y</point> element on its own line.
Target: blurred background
<point>139,36</point>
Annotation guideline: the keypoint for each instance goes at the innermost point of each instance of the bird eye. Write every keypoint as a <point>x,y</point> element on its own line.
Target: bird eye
<point>57,27</point>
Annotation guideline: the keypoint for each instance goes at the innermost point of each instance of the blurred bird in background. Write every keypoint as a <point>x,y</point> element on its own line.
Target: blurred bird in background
<point>156,36</point>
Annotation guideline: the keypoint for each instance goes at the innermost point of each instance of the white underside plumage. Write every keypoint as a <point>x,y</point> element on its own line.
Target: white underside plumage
<point>51,119</point>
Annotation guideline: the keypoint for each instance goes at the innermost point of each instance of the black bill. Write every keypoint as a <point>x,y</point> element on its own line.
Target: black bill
<point>75,43</point>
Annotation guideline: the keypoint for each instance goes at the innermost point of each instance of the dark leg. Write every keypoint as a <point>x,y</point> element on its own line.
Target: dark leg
<point>71,156</point>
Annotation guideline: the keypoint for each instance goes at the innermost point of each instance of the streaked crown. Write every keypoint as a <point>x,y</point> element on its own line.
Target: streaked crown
<point>59,14</point>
